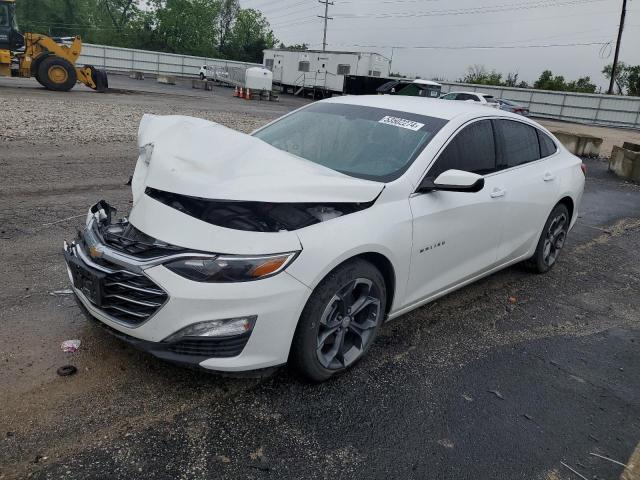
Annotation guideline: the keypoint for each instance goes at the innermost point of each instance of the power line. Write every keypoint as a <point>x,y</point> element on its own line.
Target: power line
<point>470,47</point>
<point>471,11</point>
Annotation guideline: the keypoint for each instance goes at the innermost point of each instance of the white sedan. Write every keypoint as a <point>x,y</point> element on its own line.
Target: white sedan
<point>482,98</point>
<point>296,243</point>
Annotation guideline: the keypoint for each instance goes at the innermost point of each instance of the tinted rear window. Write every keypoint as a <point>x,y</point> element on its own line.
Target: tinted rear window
<point>517,143</point>
<point>547,147</point>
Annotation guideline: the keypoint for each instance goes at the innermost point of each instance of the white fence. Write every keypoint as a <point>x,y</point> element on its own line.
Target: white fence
<point>116,59</point>
<point>593,109</point>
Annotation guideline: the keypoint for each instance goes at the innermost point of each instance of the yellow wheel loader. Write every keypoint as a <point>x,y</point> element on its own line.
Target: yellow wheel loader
<point>52,63</point>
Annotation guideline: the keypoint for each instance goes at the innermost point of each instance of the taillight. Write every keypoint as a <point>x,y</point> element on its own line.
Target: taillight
<point>583,167</point>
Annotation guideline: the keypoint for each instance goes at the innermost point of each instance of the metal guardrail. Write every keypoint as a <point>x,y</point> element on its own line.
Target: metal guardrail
<point>588,108</point>
<point>117,59</point>
<point>593,109</point>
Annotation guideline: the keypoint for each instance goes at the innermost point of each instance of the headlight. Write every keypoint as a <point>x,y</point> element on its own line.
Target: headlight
<point>231,268</point>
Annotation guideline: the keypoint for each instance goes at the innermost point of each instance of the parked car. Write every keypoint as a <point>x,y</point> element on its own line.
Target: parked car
<point>296,243</point>
<point>482,98</point>
<point>513,107</point>
<point>212,73</point>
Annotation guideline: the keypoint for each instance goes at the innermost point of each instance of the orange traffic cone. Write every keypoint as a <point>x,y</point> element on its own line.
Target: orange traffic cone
<point>241,94</point>
<point>248,94</point>
<point>236,92</point>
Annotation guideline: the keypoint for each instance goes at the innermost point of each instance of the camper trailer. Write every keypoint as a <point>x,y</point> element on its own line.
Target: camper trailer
<point>321,72</point>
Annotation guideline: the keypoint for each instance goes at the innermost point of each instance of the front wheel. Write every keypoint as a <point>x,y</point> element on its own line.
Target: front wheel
<point>551,240</point>
<point>340,321</point>
<point>201,76</point>
<point>57,73</point>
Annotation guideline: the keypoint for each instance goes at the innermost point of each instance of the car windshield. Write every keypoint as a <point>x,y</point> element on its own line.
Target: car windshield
<point>364,142</point>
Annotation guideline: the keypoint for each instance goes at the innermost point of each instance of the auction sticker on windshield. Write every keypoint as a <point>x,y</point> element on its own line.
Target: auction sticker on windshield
<point>402,123</point>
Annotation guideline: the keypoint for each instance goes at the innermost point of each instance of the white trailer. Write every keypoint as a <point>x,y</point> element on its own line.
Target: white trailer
<point>320,71</point>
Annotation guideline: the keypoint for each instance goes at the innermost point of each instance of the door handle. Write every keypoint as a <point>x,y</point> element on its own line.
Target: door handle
<point>548,177</point>
<point>498,192</point>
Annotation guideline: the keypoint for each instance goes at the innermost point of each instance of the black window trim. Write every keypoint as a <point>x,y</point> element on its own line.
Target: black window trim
<point>498,170</point>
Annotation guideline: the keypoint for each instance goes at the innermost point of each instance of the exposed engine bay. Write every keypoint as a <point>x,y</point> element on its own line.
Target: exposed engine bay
<point>255,216</point>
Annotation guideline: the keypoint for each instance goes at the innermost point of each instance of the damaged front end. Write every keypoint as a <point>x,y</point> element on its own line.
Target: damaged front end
<point>106,264</point>
<point>255,216</point>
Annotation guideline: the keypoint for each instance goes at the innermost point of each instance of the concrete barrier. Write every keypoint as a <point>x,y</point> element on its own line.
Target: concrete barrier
<point>625,161</point>
<point>582,145</point>
<point>166,79</point>
<point>202,84</point>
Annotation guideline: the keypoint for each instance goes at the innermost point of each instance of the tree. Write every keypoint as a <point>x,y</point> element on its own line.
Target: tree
<point>229,10</point>
<point>548,82</point>
<point>301,47</point>
<point>627,78</point>
<point>512,80</point>
<point>633,80</point>
<point>250,35</point>
<point>187,26</point>
<point>477,74</point>
<point>581,85</point>
<point>120,11</point>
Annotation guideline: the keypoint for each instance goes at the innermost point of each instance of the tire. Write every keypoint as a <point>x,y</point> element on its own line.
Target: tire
<point>202,76</point>
<point>327,320</point>
<point>100,79</point>
<point>551,240</point>
<point>56,73</point>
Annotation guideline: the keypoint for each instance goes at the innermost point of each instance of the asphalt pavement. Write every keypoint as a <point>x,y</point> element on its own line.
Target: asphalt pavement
<point>518,376</point>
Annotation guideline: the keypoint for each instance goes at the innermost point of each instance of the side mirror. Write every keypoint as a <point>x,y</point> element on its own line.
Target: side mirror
<point>453,181</point>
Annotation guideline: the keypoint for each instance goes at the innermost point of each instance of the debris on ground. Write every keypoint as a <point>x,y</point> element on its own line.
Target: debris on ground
<point>577,473</point>
<point>66,291</point>
<point>70,346</point>
<point>496,393</point>
<point>66,370</point>
<point>512,300</point>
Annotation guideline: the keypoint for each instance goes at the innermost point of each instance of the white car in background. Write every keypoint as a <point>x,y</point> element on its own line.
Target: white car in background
<point>481,98</point>
<point>296,243</point>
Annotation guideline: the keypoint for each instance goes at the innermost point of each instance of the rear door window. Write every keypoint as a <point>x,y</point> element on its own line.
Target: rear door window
<point>517,143</point>
<point>471,150</point>
<point>467,96</point>
<point>547,147</point>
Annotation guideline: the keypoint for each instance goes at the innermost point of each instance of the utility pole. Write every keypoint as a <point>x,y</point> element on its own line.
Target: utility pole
<point>615,56</point>
<point>326,17</point>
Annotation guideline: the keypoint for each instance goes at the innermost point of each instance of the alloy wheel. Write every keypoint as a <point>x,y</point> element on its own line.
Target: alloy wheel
<point>347,324</point>
<point>554,239</point>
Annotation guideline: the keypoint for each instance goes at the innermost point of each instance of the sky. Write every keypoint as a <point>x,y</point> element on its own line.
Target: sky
<point>515,35</point>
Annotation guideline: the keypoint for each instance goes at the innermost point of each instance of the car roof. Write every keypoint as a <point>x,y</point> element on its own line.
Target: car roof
<point>432,107</point>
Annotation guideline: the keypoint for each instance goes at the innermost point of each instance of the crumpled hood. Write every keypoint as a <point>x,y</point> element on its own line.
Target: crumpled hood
<point>204,159</point>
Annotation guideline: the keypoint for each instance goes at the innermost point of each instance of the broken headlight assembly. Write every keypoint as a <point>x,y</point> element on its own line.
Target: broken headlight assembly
<point>231,268</point>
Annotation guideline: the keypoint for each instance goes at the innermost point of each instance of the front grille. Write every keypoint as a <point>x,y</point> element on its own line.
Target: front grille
<point>128,239</point>
<point>131,298</point>
<point>210,346</point>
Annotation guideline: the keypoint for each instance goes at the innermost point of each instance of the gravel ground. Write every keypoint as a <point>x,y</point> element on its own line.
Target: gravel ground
<point>471,386</point>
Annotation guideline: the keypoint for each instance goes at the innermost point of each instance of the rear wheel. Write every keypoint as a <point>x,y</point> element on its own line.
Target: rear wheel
<point>551,240</point>
<point>56,73</point>
<point>340,321</point>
